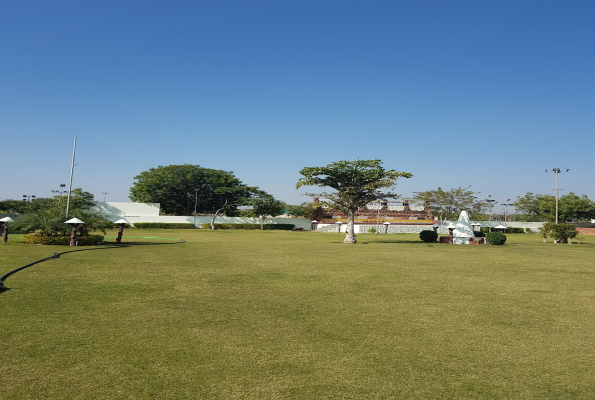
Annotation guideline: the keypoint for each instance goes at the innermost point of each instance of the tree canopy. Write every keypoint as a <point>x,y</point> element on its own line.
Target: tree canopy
<point>178,187</point>
<point>355,184</point>
<point>448,204</point>
<point>542,207</point>
<point>264,205</point>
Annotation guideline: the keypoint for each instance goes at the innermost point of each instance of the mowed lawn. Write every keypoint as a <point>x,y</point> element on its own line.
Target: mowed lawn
<point>299,315</point>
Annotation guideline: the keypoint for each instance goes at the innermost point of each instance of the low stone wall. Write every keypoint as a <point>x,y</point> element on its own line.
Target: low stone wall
<point>586,231</point>
<point>533,226</point>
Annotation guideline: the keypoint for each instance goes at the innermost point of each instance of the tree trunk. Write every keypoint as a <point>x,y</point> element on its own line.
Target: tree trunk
<point>349,235</point>
<point>262,223</point>
<point>213,216</point>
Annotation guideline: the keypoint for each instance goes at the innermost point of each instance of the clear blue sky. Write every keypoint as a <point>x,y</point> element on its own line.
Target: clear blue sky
<point>481,93</point>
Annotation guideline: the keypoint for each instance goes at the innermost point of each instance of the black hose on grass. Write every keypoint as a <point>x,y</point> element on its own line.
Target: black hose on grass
<point>57,255</point>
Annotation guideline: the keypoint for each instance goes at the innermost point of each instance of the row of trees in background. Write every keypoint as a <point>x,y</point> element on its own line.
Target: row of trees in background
<point>448,204</point>
<point>186,189</point>
<point>542,207</point>
<point>46,216</point>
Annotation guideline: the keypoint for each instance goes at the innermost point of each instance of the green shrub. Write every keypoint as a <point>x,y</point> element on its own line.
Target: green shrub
<point>267,227</point>
<point>428,236</point>
<point>163,225</point>
<point>527,230</point>
<point>495,238</point>
<point>372,230</point>
<point>90,240</point>
<point>479,234</point>
<point>560,232</point>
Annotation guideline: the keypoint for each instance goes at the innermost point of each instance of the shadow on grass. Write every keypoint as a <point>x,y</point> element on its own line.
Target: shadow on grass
<point>107,246</point>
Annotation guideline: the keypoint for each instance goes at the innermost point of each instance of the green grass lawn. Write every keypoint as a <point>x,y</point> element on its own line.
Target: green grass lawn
<point>299,315</point>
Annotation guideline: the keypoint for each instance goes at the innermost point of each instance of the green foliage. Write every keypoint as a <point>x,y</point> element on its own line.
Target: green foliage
<point>495,238</point>
<point>449,204</point>
<point>542,207</point>
<point>90,240</point>
<point>174,188</point>
<point>304,210</point>
<point>560,232</point>
<point>47,218</point>
<point>264,205</point>
<point>355,184</point>
<point>267,227</point>
<point>23,207</point>
<point>428,236</point>
<point>372,230</point>
<point>164,225</point>
<point>479,234</point>
<point>13,206</point>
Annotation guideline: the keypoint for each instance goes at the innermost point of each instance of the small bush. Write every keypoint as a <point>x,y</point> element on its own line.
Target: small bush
<point>90,240</point>
<point>163,225</point>
<point>428,236</point>
<point>560,232</point>
<point>495,238</point>
<point>480,234</point>
<point>528,230</point>
<point>267,227</point>
<point>372,230</point>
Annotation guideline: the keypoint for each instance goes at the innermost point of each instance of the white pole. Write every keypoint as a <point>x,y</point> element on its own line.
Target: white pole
<point>71,171</point>
<point>557,171</point>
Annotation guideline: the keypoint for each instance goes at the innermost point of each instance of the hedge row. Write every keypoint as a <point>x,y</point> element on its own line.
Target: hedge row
<point>163,225</point>
<point>267,227</point>
<point>91,240</point>
<point>508,230</point>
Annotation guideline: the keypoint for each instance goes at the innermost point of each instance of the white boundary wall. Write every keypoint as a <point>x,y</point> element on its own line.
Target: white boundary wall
<point>149,212</point>
<point>534,226</point>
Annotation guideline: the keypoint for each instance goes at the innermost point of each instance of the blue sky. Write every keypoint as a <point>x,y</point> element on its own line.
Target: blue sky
<point>459,93</point>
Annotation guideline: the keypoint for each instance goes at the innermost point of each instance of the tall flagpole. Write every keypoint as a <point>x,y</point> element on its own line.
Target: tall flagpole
<point>71,171</point>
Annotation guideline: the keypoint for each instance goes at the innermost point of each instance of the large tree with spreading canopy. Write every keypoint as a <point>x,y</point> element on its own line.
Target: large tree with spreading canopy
<point>179,189</point>
<point>354,184</point>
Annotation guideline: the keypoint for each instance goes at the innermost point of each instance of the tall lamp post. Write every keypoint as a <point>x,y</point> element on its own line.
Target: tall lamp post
<point>62,186</point>
<point>74,222</point>
<point>5,222</point>
<point>557,171</point>
<point>490,204</point>
<point>104,195</point>
<point>506,205</point>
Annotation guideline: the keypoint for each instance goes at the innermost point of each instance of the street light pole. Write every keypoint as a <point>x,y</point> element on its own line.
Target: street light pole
<point>557,171</point>
<point>71,172</point>
<point>490,203</point>
<point>104,195</point>
<point>506,209</point>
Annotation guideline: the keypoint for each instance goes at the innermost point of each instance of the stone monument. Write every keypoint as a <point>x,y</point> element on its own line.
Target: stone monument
<point>463,231</point>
